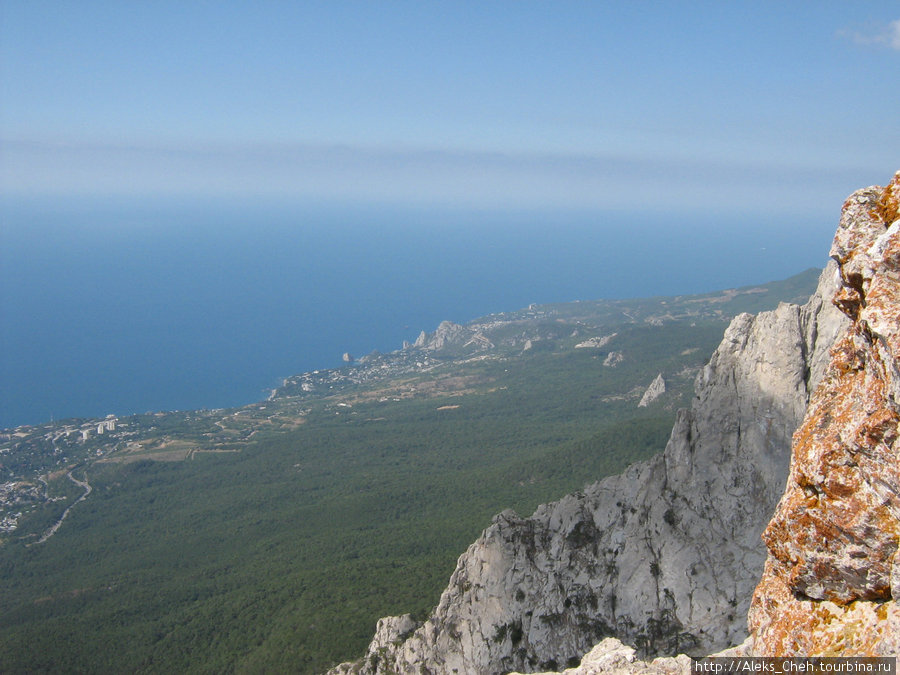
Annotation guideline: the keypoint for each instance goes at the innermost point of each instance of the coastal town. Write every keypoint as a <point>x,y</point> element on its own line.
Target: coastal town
<point>31,454</point>
<point>453,360</point>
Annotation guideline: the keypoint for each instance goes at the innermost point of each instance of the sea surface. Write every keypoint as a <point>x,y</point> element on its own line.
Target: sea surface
<point>123,306</point>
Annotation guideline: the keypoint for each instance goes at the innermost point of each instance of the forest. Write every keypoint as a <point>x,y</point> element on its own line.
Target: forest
<point>282,555</point>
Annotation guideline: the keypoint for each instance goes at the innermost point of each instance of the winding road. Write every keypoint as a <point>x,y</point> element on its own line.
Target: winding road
<point>87,490</point>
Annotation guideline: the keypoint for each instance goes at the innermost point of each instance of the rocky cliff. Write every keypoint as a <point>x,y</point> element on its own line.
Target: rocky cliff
<point>656,389</point>
<point>664,556</point>
<point>452,334</point>
<point>832,577</point>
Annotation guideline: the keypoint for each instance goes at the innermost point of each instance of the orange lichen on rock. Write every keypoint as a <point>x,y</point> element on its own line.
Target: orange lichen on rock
<point>889,204</point>
<point>832,579</point>
<point>822,628</point>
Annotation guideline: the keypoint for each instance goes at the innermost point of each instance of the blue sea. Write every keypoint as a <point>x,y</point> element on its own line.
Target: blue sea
<point>126,306</point>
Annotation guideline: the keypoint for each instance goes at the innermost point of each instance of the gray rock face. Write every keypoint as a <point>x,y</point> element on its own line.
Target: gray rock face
<point>664,556</point>
<point>447,333</point>
<point>390,631</point>
<point>656,389</point>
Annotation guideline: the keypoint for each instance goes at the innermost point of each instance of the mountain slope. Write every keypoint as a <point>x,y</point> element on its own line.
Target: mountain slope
<point>665,555</point>
<point>832,576</point>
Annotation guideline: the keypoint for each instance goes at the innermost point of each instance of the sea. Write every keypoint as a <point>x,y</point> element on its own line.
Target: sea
<point>127,305</point>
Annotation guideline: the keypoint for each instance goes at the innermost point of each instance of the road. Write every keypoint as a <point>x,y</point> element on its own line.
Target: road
<point>87,490</point>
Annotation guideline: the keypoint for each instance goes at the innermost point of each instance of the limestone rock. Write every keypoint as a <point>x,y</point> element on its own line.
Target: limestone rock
<point>596,342</point>
<point>664,556</point>
<point>389,630</point>
<point>656,389</point>
<point>447,333</point>
<point>832,577</point>
<point>612,657</point>
<point>613,359</point>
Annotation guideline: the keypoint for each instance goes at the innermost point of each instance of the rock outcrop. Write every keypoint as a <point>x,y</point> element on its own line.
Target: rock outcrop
<point>832,578</point>
<point>613,359</point>
<point>596,342</point>
<point>447,333</point>
<point>611,656</point>
<point>664,556</point>
<point>656,389</point>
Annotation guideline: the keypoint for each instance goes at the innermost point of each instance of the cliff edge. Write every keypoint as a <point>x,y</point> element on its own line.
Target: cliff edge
<point>832,576</point>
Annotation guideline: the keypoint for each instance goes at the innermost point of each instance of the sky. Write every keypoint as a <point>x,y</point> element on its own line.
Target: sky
<point>781,108</point>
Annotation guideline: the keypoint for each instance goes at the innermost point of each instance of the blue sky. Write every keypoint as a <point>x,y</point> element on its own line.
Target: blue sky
<point>773,107</point>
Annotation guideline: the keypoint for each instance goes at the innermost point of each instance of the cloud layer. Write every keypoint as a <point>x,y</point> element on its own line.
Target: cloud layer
<point>418,176</point>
